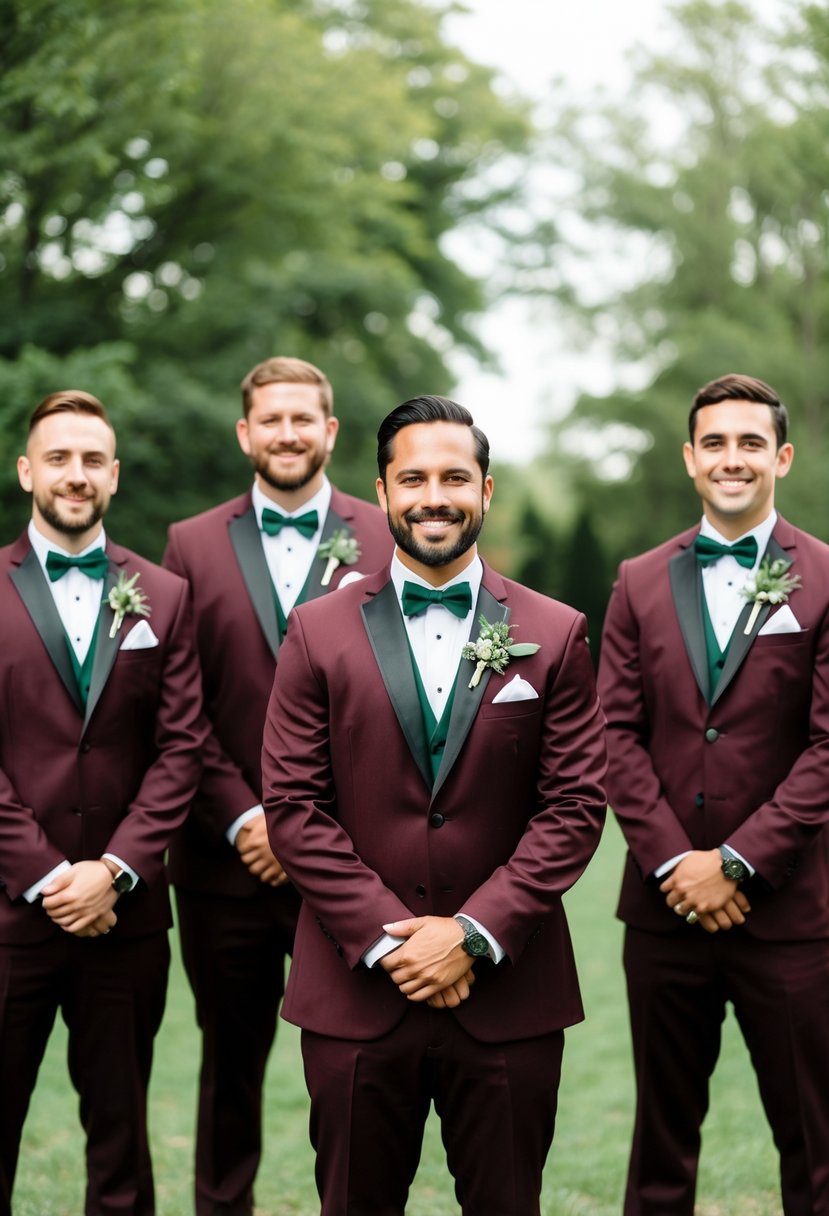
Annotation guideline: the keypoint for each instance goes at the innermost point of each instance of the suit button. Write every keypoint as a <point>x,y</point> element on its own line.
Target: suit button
<point>420,890</point>
<point>712,735</point>
<point>699,800</point>
<point>436,819</point>
<point>86,747</point>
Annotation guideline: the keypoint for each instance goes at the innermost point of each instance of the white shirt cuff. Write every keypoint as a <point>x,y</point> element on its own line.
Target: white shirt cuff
<point>32,893</point>
<point>669,865</point>
<point>382,947</point>
<point>233,831</point>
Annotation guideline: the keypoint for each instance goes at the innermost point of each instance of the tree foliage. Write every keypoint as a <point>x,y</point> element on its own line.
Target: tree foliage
<point>191,187</point>
<point>711,179</point>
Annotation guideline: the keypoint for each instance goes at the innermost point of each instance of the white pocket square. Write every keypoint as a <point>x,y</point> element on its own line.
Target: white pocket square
<point>516,690</point>
<point>140,637</point>
<point>781,621</point>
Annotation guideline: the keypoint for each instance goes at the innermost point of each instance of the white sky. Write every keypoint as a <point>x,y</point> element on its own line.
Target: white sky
<point>585,43</point>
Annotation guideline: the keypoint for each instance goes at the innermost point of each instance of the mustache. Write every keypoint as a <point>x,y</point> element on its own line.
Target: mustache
<point>417,516</point>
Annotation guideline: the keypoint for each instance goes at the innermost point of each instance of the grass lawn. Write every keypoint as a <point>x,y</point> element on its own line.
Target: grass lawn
<point>586,1169</point>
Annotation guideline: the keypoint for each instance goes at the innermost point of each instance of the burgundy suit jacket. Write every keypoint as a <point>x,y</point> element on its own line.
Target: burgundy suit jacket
<point>512,820</point>
<point>750,769</point>
<point>220,554</point>
<point>116,777</point>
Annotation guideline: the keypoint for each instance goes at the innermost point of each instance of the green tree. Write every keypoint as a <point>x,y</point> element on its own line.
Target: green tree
<point>721,207</point>
<point>191,187</point>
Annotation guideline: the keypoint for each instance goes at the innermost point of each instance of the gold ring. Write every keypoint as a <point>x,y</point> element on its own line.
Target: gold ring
<point>692,917</point>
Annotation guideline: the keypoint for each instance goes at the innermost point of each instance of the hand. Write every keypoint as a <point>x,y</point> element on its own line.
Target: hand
<point>255,851</point>
<point>80,900</point>
<point>430,961</point>
<point>452,996</point>
<point>698,884</point>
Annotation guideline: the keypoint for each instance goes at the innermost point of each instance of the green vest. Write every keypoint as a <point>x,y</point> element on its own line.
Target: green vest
<point>281,617</point>
<point>716,657</point>
<point>83,671</point>
<point>436,732</point>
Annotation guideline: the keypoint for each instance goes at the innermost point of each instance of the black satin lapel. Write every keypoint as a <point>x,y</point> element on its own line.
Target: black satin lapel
<point>313,587</point>
<point>30,582</point>
<point>387,635</point>
<point>686,588</point>
<point>247,545</point>
<point>106,648</point>
<point>741,641</point>
<point>467,700</point>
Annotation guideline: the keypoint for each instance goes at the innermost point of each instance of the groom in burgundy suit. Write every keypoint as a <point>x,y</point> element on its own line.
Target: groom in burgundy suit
<point>99,758</point>
<point>248,561</point>
<point>432,810</point>
<point>718,735</point>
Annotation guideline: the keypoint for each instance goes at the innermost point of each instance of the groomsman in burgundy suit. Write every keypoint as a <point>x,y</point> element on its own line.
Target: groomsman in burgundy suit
<point>248,562</point>
<point>99,759</point>
<point>432,810</point>
<point>718,732</point>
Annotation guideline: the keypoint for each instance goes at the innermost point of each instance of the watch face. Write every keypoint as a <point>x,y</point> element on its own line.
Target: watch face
<point>734,869</point>
<point>122,882</point>
<point>475,943</point>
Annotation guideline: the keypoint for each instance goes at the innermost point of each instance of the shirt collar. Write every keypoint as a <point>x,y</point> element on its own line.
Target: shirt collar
<point>473,575</point>
<point>762,534</point>
<point>43,547</point>
<point>319,503</point>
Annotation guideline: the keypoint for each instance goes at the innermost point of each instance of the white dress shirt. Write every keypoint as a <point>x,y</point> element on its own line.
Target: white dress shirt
<point>722,584</point>
<point>78,601</point>
<point>437,638</point>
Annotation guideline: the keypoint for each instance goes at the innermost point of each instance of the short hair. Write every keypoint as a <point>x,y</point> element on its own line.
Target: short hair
<point>69,401</point>
<point>734,387</point>
<point>284,370</point>
<point>427,409</point>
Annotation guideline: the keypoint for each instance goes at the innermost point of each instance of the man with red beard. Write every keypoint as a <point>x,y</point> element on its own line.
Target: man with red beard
<point>291,538</point>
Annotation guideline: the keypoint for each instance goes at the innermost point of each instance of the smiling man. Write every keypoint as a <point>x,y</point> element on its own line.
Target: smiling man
<point>718,736</point>
<point>248,562</point>
<point>432,823</point>
<point>100,742</point>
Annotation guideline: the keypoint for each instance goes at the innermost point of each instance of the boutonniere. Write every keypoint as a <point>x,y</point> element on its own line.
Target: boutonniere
<point>494,648</point>
<point>126,598</point>
<point>339,549</point>
<point>771,585</point>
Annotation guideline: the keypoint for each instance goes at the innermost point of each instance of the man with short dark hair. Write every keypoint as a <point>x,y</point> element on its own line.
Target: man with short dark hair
<point>714,677</point>
<point>433,787</point>
<point>293,537</point>
<point>99,759</point>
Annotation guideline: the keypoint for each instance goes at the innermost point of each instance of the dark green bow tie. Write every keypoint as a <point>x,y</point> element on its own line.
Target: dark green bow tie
<point>709,551</point>
<point>94,564</point>
<point>416,599</point>
<point>273,522</point>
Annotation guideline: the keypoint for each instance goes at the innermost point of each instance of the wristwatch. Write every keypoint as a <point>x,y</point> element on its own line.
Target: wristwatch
<point>474,942</point>
<point>732,867</point>
<point>121,879</point>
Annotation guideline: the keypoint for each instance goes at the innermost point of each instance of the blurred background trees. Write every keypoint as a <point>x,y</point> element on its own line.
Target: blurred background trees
<point>188,187</point>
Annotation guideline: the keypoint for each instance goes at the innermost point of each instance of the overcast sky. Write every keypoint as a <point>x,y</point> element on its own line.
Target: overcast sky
<point>532,42</point>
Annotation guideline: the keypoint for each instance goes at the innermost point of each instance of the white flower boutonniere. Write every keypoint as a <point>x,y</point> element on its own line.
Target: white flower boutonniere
<point>339,549</point>
<point>771,585</point>
<point>125,597</point>
<point>494,649</point>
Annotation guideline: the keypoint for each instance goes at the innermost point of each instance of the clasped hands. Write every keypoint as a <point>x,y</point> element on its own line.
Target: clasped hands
<point>698,884</point>
<point>81,900</point>
<point>431,965</point>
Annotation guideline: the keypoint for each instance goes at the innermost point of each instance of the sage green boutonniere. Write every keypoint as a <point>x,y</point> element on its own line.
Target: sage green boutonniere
<point>494,648</point>
<point>771,585</point>
<point>339,549</point>
<point>126,598</point>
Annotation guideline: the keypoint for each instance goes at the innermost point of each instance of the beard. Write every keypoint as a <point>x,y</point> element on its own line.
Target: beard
<point>440,552</point>
<point>315,459</point>
<point>72,527</point>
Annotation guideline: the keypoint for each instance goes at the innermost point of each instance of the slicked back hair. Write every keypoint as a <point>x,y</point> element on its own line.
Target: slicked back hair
<point>69,401</point>
<point>427,409</point>
<point>735,387</point>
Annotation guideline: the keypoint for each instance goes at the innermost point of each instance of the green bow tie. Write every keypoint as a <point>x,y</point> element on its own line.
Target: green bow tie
<point>416,599</point>
<point>273,522</point>
<point>93,565</point>
<point>709,551</point>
